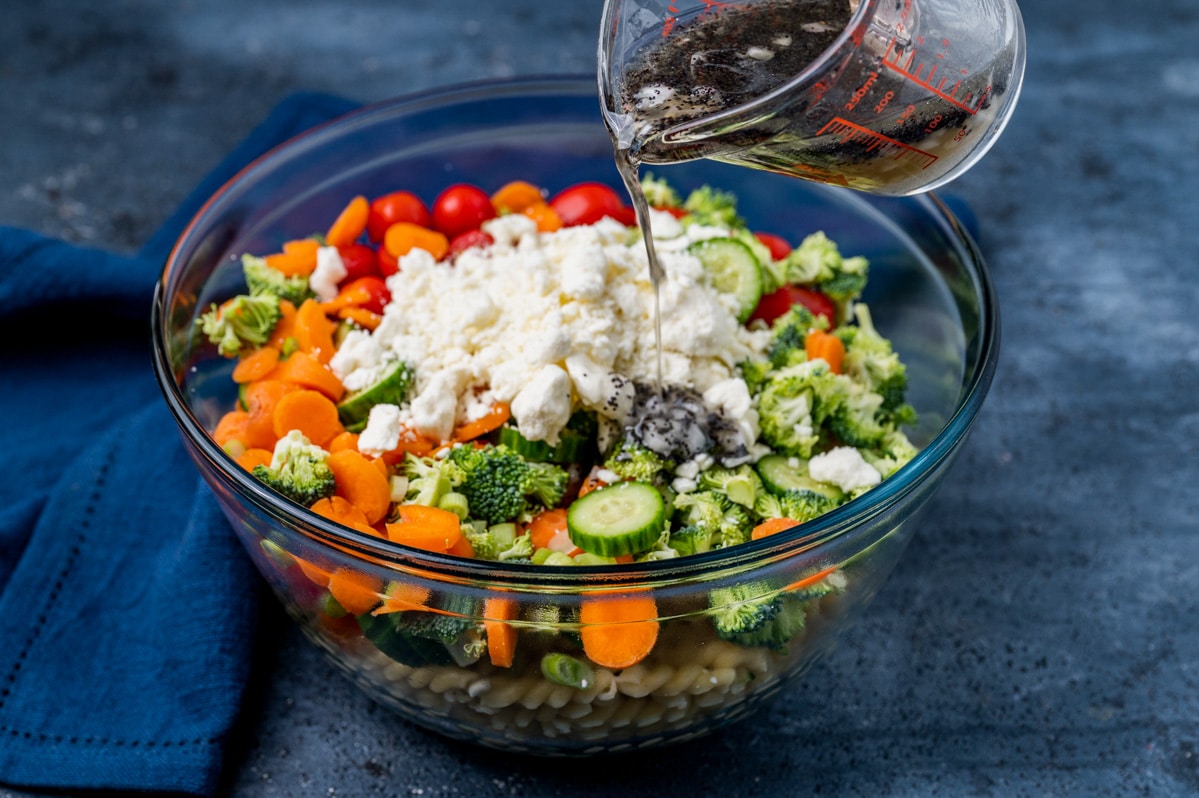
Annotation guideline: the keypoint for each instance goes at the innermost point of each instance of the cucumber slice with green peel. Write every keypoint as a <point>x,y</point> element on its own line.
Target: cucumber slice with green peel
<point>732,268</point>
<point>391,389</point>
<point>780,476</point>
<point>622,518</point>
<point>571,448</point>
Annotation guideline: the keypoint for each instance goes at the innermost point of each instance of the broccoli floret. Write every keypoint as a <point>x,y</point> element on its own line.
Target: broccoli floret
<point>429,479</point>
<point>521,550</point>
<point>499,484</point>
<point>632,460</point>
<point>794,403</point>
<point>893,451</point>
<point>870,359</point>
<point>755,372</point>
<point>740,485</point>
<point>711,206</point>
<point>814,261</point>
<point>742,614</point>
<point>690,539</point>
<point>659,193</point>
<point>788,335</point>
<point>263,279</point>
<point>244,321</point>
<point>805,505</point>
<point>725,523</point>
<point>546,483</point>
<point>299,470</point>
<point>858,419</point>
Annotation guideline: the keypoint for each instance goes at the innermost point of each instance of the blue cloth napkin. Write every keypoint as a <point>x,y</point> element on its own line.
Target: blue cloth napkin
<point>127,608</point>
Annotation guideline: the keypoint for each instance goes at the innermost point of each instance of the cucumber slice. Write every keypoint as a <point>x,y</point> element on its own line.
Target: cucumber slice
<point>391,389</point>
<point>624,518</point>
<point>732,268</point>
<point>572,447</point>
<point>780,477</point>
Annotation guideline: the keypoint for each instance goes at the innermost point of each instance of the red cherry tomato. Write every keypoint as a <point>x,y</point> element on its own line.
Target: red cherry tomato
<point>359,260</point>
<point>400,206</point>
<point>676,212</point>
<point>626,216</point>
<point>461,208</point>
<point>778,246</point>
<point>373,290</point>
<point>587,203</point>
<point>388,264</point>
<point>776,303</point>
<point>471,238</point>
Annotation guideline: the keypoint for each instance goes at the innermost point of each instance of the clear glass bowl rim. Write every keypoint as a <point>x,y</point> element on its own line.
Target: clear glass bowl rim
<point>836,525</point>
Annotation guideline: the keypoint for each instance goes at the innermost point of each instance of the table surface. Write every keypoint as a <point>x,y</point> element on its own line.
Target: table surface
<point>1038,636</point>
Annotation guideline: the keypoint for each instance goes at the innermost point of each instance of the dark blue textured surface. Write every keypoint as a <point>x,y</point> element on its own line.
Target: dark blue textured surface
<point>1038,636</point>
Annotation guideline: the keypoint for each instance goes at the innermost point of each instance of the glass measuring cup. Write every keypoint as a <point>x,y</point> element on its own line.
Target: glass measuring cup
<point>890,97</point>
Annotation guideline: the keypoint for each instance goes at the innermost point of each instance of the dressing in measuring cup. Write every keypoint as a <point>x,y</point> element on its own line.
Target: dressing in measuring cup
<point>886,96</point>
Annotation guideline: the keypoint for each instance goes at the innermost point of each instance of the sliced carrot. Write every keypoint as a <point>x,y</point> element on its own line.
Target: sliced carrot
<point>501,635</point>
<point>462,548</point>
<point>309,411</point>
<point>361,483</point>
<point>339,510</point>
<point>301,246</point>
<point>771,526</point>
<point>256,365</point>
<point>411,442</point>
<point>366,319</point>
<point>318,576</point>
<point>357,592</point>
<point>545,216</point>
<point>545,526</point>
<point>428,528</point>
<point>255,457</point>
<point>808,581</point>
<point>591,482</point>
<point>261,399</point>
<point>285,327</point>
<point>303,370</point>
<point>403,596</point>
<point>618,631</point>
<point>403,237</point>
<point>343,440</point>
<point>514,197</point>
<point>495,418</point>
<point>298,258</point>
<point>823,345</point>
<point>314,330</point>
<point>350,224</point>
<point>231,427</point>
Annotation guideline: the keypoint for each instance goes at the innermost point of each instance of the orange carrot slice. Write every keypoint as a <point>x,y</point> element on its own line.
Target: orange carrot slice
<point>350,223</point>
<point>366,319</point>
<point>618,631</point>
<point>545,216</point>
<point>285,327</point>
<point>772,526</point>
<point>231,427</point>
<point>314,330</point>
<point>495,418</point>
<point>403,237</point>
<point>255,457</point>
<point>823,345</point>
<point>361,483</point>
<point>545,526</point>
<point>808,581</point>
<point>357,592</point>
<point>501,636</point>
<point>514,197</point>
<point>309,411</point>
<point>427,528</point>
<point>591,482</point>
<point>302,370</point>
<point>403,596</point>
<point>339,510</point>
<point>343,440</point>
<point>261,399</point>
<point>256,365</point>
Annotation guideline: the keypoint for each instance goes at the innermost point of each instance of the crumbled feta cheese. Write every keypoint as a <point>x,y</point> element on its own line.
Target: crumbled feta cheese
<point>328,273</point>
<point>382,431</point>
<point>731,398</point>
<point>542,408</point>
<point>844,467</point>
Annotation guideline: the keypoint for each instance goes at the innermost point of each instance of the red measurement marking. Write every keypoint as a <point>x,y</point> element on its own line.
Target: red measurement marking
<point>875,142</point>
<point>891,60</point>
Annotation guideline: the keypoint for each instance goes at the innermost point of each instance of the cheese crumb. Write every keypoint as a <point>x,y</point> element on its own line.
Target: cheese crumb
<point>844,467</point>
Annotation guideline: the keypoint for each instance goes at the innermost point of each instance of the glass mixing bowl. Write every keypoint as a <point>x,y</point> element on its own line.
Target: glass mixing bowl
<point>929,292</point>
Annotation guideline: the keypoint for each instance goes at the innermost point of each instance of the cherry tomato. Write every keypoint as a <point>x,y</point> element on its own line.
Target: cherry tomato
<point>359,260</point>
<point>778,246</point>
<point>776,303</point>
<point>587,203</point>
<point>461,208</point>
<point>400,206</point>
<point>471,238</point>
<point>388,264</point>
<point>373,290</point>
<point>676,212</point>
<point>626,215</point>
